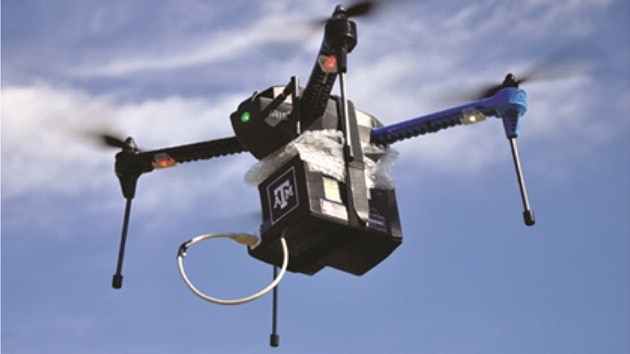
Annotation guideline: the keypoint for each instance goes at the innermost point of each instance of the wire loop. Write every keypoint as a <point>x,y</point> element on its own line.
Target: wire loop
<point>240,238</point>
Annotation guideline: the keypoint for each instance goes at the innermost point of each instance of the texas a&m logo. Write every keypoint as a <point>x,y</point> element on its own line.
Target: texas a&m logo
<point>282,195</point>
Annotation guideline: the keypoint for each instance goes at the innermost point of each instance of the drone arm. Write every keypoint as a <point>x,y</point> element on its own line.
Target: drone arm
<point>317,92</point>
<point>508,104</point>
<point>340,38</point>
<point>192,152</point>
<point>130,165</point>
<point>418,126</point>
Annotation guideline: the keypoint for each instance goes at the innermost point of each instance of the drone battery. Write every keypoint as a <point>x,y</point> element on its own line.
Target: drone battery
<point>310,210</point>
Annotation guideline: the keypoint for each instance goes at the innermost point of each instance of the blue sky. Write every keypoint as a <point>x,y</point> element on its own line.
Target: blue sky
<point>469,276</point>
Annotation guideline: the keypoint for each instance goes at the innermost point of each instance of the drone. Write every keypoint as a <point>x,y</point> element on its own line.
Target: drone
<point>325,198</point>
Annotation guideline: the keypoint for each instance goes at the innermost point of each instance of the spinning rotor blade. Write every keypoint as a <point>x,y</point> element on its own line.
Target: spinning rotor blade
<point>104,138</point>
<point>111,141</point>
<point>361,8</point>
<point>303,30</point>
<point>358,9</point>
<point>576,59</point>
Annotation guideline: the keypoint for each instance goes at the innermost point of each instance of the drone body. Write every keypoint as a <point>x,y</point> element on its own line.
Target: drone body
<point>325,194</point>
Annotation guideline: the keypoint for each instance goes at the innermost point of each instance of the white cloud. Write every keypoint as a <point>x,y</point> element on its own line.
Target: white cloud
<point>184,50</point>
<point>45,131</point>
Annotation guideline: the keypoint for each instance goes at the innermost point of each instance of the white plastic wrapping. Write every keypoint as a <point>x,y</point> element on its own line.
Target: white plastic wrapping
<point>323,151</point>
<point>378,164</point>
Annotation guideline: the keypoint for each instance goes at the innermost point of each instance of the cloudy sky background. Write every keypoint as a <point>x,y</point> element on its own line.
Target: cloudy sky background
<point>469,277</point>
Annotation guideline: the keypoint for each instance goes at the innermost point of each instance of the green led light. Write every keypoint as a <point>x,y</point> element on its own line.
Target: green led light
<point>245,117</point>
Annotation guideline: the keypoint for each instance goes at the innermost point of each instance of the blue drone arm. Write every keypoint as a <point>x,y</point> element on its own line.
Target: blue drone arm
<point>509,104</point>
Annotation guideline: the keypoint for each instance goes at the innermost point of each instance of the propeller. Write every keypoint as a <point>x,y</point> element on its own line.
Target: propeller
<point>110,140</point>
<point>106,138</point>
<point>303,30</point>
<point>575,59</point>
<point>357,9</point>
<point>362,8</point>
<point>489,91</point>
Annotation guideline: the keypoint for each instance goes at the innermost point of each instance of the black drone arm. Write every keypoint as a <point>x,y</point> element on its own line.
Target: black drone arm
<point>340,37</point>
<point>191,152</point>
<point>131,163</point>
<point>136,162</point>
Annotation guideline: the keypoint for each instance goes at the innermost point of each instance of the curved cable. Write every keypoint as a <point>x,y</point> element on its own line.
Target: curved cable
<point>246,239</point>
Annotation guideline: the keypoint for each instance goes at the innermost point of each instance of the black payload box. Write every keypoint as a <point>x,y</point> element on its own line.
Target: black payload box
<point>310,210</point>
